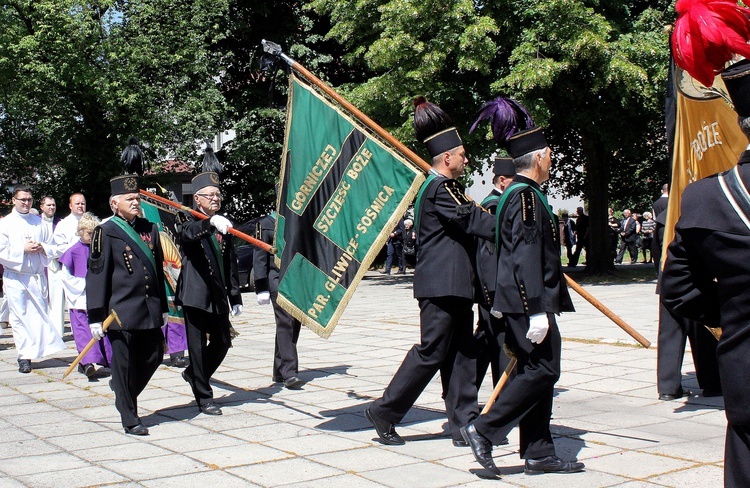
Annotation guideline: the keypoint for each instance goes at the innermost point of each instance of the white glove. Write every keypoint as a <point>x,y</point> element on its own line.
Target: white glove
<point>164,319</point>
<point>264,298</point>
<point>221,223</point>
<point>236,310</point>
<point>496,313</point>
<point>538,327</point>
<point>96,330</point>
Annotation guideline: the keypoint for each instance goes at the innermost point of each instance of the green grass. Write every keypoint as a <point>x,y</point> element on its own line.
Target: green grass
<point>622,275</point>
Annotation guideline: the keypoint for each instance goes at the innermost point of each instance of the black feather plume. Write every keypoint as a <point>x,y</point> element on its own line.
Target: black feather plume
<point>132,158</point>
<point>210,161</point>
<point>506,117</point>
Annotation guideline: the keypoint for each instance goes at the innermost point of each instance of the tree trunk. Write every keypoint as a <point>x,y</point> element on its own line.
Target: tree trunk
<point>598,258</point>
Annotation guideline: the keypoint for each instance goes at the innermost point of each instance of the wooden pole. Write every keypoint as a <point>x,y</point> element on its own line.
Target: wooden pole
<point>198,215</point>
<point>606,311</point>
<point>107,322</point>
<point>275,49</point>
<point>354,110</point>
<point>500,385</point>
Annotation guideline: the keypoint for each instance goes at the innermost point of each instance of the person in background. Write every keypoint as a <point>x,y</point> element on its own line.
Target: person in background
<point>73,268</point>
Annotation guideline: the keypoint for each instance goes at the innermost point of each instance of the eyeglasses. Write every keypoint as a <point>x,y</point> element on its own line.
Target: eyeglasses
<point>24,200</point>
<point>209,196</point>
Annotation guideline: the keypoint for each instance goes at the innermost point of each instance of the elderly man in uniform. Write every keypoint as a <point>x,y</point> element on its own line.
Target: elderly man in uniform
<point>208,288</point>
<point>285,359</point>
<point>706,276</point>
<point>66,234</point>
<point>24,250</point>
<point>126,276</point>
<point>446,223</point>
<point>529,292</point>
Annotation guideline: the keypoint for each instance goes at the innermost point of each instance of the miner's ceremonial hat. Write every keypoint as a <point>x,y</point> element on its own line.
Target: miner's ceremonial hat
<point>503,167</point>
<point>737,80</point>
<point>434,128</point>
<point>207,178</point>
<point>526,141</point>
<point>124,184</point>
<point>512,126</point>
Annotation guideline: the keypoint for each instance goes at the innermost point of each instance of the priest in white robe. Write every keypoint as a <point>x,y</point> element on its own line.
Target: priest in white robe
<point>25,243</point>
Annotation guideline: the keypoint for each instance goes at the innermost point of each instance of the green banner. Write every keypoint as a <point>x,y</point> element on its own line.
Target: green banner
<point>164,220</point>
<point>342,193</point>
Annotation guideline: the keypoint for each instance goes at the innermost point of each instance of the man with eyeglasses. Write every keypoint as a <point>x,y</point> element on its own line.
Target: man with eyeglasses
<point>65,235</point>
<point>24,253</point>
<point>208,288</point>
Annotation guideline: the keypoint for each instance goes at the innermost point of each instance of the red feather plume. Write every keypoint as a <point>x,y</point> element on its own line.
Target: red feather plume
<point>707,34</point>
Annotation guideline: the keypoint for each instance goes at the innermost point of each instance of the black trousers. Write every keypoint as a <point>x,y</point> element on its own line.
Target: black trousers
<point>208,342</point>
<point>632,247</point>
<point>528,398</point>
<point>489,339</point>
<point>446,330</point>
<point>285,360</point>
<point>487,350</point>
<point>737,457</point>
<point>135,356</point>
<point>670,351</point>
<point>580,245</point>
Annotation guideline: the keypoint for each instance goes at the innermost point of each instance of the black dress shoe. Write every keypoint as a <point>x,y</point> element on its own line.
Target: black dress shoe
<point>87,370</point>
<point>666,397</point>
<point>293,383</point>
<point>386,430</point>
<point>139,429</point>
<point>210,409</point>
<point>103,372</point>
<point>480,446</point>
<point>24,366</point>
<point>551,464</point>
<point>180,362</point>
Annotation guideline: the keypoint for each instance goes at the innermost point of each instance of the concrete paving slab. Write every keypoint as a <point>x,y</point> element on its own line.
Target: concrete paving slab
<point>606,412</point>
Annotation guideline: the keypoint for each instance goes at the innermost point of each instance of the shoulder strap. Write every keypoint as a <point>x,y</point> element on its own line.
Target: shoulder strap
<point>420,197</point>
<point>489,199</point>
<point>736,192</point>
<point>512,189</point>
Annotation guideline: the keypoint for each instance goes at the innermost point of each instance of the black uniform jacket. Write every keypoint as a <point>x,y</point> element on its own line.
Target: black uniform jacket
<point>120,277</point>
<point>446,248</point>
<point>201,284</point>
<point>529,273</point>
<point>707,278</point>
<point>265,271</point>
<point>487,254</point>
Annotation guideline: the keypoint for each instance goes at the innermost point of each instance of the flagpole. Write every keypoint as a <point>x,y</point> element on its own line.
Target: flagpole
<point>275,49</point>
<point>252,240</point>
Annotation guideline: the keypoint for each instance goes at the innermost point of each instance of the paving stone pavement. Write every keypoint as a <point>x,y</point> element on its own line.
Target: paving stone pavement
<point>66,433</point>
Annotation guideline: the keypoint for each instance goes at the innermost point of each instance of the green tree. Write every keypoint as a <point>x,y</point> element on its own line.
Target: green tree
<point>592,71</point>
<point>77,79</point>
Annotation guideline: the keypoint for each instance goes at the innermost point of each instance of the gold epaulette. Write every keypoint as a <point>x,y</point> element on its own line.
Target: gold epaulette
<point>456,192</point>
<point>528,207</point>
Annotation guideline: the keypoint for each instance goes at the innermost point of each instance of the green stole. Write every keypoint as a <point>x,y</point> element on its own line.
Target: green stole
<point>418,203</point>
<point>214,242</point>
<point>504,199</point>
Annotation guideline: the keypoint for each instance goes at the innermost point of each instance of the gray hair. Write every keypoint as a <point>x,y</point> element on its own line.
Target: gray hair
<point>744,125</point>
<point>526,162</point>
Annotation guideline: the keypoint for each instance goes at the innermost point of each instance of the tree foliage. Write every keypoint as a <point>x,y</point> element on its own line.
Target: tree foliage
<point>592,72</point>
<point>77,79</point>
